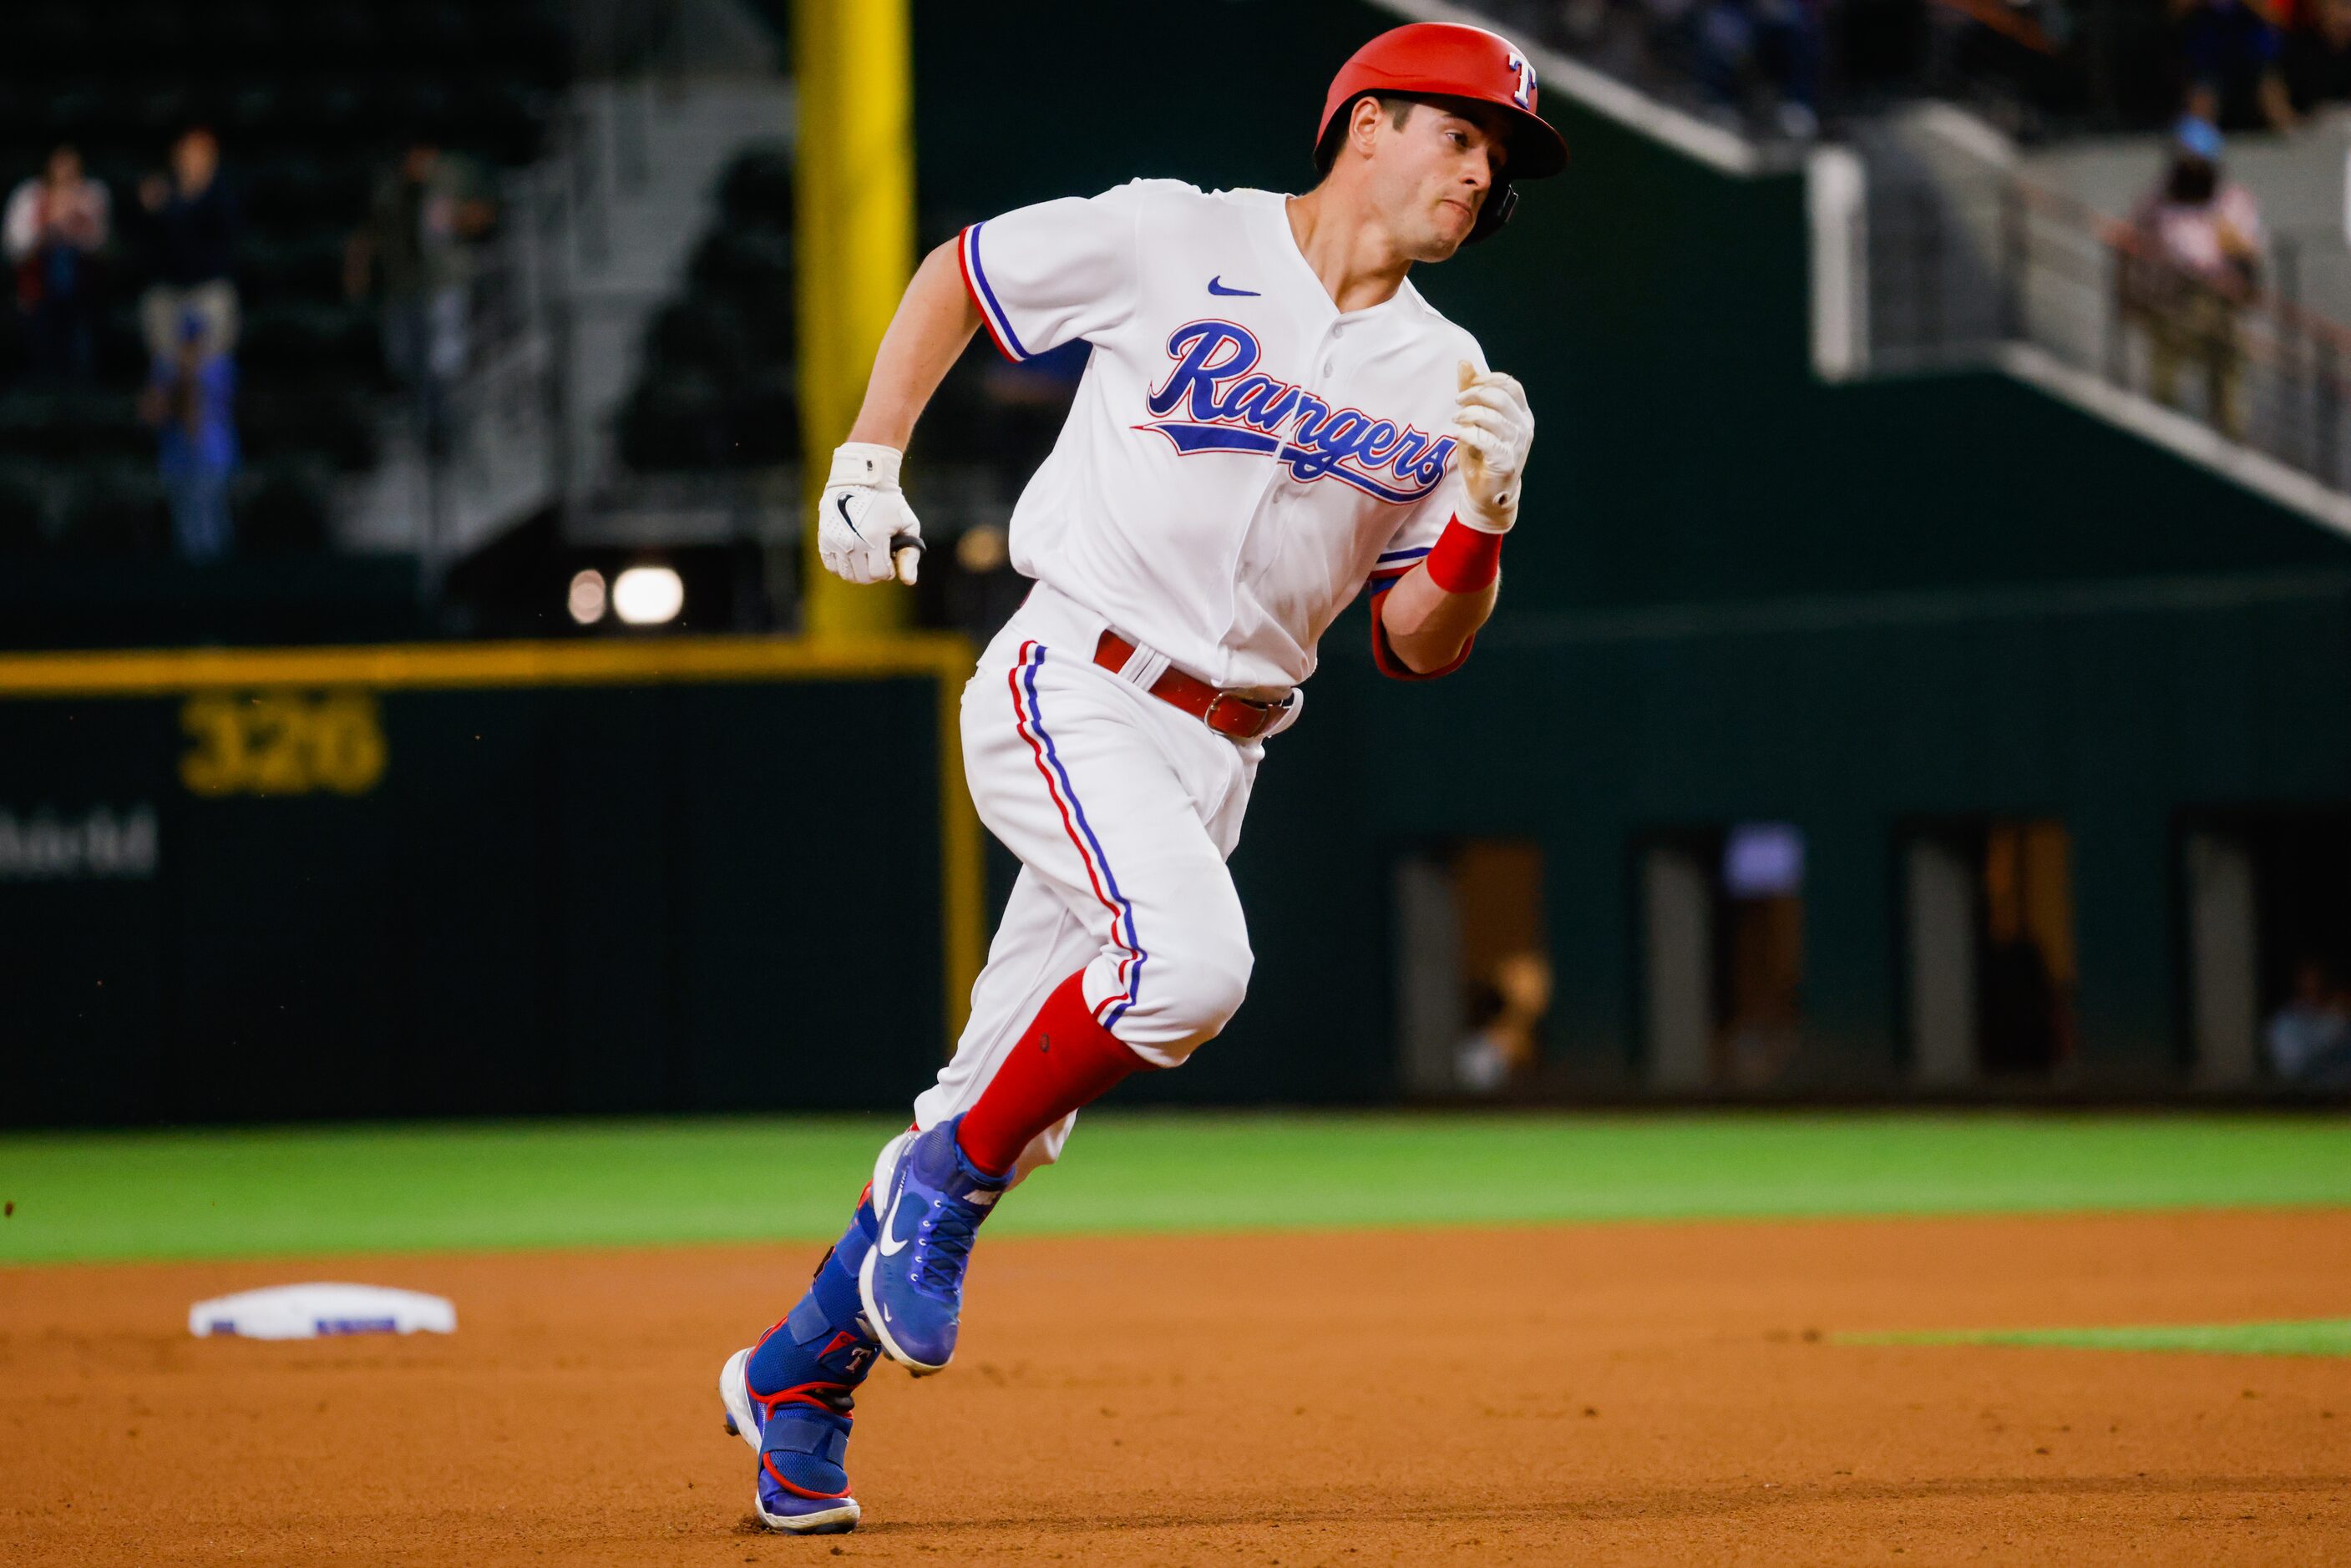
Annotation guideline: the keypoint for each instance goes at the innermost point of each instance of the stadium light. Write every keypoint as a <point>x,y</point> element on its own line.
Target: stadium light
<point>648,596</point>
<point>586,599</point>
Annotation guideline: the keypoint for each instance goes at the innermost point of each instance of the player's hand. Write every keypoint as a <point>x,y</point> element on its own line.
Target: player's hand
<point>865,532</point>
<point>1495,426</point>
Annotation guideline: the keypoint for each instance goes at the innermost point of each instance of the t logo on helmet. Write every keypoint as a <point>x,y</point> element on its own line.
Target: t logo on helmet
<point>1523,94</point>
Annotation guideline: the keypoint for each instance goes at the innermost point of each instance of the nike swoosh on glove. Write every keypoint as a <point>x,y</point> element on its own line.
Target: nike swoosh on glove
<point>1496,429</point>
<point>863,525</point>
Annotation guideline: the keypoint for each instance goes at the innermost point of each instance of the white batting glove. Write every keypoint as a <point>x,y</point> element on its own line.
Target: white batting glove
<point>1495,426</point>
<point>865,532</point>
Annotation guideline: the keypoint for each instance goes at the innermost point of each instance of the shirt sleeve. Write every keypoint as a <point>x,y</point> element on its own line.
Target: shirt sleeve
<point>1406,549</point>
<point>1416,535</point>
<point>1052,274</point>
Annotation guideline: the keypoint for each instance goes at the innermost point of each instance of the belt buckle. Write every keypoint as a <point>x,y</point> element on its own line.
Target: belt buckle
<point>1263,713</point>
<point>1226,696</point>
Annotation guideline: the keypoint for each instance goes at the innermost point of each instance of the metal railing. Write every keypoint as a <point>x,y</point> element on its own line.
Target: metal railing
<point>1962,271</point>
<point>551,347</point>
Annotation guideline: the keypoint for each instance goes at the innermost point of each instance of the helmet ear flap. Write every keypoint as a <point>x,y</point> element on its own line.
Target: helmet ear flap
<point>1494,212</point>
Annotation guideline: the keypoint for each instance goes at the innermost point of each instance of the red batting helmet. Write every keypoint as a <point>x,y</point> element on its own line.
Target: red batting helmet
<point>1444,61</point>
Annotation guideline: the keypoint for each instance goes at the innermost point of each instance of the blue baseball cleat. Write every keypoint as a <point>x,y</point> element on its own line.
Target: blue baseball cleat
<point>931,1199</point>
<point>801,1441</point>
<point>812,1362</point>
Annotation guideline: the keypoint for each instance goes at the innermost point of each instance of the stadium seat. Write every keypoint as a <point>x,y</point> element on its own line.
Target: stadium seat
<point>74,108</point>
<point>704,334</point>
<point>163,105</point>
<point>151,33</point>
<point>122,346</point>
<point>25,429</point>
<point>242,35</point>
<point>249,108</point>
<point>716,384</point>
<point>282,509</point>
<point>757,190</point>
<point>294,420</point>
<point>56,427</point>
<point>110,428</point>
<point>302,194</point>
<point>738,263</point>
<point>340,34</point>
<point>116,509</point>
<point>287,342</point>
<point>21,509</point>
<point>677,420</point>
<point>304,266</point>
<point>329,110</point>
<point>768,419</point>
<point>441,33</point>
<point>56,36</point>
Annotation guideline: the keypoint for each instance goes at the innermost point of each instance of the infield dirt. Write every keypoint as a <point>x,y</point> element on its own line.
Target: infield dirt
<point>1608,1394</point>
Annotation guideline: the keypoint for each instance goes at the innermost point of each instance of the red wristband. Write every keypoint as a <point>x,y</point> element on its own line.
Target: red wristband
<point>1465,559</point>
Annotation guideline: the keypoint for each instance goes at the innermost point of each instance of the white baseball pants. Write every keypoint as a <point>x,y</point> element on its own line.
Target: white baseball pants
<point>1122,810</point>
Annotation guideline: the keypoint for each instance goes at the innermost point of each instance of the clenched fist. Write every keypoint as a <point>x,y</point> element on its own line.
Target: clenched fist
<point>865,532</point>
<point>1495,426</point>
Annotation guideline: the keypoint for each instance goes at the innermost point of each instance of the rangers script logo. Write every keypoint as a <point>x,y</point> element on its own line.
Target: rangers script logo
<point>1224,403</point>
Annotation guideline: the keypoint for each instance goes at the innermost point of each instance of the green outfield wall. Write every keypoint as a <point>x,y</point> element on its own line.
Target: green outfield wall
<point>473,878</point>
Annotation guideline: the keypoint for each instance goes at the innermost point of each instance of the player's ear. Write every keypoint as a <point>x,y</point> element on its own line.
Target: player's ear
<point>1364,124</point>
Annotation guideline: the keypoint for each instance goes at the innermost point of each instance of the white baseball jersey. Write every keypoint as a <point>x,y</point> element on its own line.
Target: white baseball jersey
<point>1241,457</point>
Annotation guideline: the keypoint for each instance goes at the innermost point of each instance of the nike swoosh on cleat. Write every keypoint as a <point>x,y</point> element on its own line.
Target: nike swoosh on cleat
<point>1216,286</point>
<point>889,1243</point>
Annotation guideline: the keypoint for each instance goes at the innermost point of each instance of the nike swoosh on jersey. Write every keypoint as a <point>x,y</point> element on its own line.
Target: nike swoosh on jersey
<point>1216,286</point>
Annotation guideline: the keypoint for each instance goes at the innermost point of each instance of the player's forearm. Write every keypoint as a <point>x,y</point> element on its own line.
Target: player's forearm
<point>1427,626</point>
<point>935,319</point>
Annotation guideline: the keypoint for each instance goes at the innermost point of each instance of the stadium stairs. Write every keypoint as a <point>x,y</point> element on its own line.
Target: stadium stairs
<point>607,228</point>
<point>1938,244</point>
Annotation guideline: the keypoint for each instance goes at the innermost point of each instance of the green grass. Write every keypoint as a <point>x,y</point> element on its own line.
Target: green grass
<point>2308,1336</point>
<point>209,1194</point>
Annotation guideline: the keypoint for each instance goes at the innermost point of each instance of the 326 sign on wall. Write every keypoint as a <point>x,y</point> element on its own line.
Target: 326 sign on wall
<point>279,742</point>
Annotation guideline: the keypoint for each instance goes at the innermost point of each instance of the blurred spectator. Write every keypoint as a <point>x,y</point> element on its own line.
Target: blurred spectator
<point>55,228</point>
<point>2197,255</point>
<point>1616,36</point>
<point>1758,59</point>
<point>192,233</point>
<point>2232,50</point>
<point>1505,1014</point>
<point>191,398</point>
<point>2310,1037</point>
<point>2006,58</point>
<point>2318,53</point>
<point>416,249</point>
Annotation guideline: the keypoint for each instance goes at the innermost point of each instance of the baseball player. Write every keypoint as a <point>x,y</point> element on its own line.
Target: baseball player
<point>1271,420</point>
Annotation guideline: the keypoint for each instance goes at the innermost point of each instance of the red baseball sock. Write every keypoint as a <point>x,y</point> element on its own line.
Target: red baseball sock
<point>1065,1059</point>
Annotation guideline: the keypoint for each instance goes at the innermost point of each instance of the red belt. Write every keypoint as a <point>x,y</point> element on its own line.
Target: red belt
<point>1232,716</point>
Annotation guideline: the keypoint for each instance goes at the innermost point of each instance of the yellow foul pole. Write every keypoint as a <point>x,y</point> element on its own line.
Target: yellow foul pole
<point>855,250</point>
